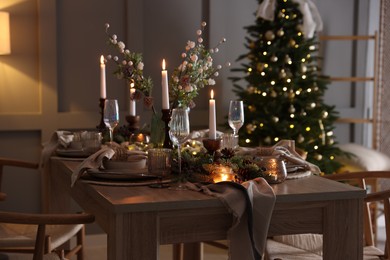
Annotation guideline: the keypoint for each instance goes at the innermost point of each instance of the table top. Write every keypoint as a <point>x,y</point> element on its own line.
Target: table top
<point>144,198</point>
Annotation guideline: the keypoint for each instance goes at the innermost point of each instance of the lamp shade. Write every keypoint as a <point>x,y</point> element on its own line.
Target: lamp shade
<point>5,38</point>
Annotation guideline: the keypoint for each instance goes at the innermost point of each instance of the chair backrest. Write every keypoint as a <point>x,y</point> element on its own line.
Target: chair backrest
<point>370,181</point>
<point>13,163</point>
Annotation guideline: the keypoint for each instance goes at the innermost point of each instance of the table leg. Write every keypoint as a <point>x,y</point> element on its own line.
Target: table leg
<point>133,237</point>
<point>343,230</point>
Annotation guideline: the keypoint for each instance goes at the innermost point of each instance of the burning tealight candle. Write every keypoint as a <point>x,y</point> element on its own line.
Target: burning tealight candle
<point>223,173</point>
<point>212,117</point>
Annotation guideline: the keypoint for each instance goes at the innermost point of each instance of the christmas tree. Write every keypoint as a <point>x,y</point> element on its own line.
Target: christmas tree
<point>283,93</point>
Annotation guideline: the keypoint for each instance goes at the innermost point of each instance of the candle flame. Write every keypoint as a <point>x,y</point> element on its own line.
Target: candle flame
<point>102,59</point>
<point>163,64</point>
<point>212,94</point>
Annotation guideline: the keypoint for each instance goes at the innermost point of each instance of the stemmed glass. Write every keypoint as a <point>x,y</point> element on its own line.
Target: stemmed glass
<point>111,115</point>
<point>178,132</point>
<point>236,115</point>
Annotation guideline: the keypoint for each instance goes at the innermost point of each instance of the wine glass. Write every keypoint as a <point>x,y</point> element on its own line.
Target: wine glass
<point>111,115</point>
<point>178,132</point>
<point>236,115</point>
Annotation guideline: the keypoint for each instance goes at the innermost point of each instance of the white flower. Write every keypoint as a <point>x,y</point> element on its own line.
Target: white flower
<point>140,66</point>
<point>114,37</point>
<point>219,67</point>
<point>191,44</point>
<point>216,50</point>
<point>180,87</point>
<point>115,58</point>
<point>114,41</point>
<point>216,74</point>
<point>223,40</point>
<point>199,32</point>
<point>200,39</point>
<point>121,45</point>
<point>228,64</point>
<point>211,81</point>
<point>209,59</point>
<point>183,55</point>
<point>127,51</point>
<point>107,26</point>
<point>203,24</point>
<point>188,88</point>
<point>194,57</point>
<point>176,79</point>
<point>109,57</point>
<point>200,70</point>
<point>124,62</point>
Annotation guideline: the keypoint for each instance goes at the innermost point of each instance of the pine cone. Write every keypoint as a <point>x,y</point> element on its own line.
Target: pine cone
<point>227,153</point>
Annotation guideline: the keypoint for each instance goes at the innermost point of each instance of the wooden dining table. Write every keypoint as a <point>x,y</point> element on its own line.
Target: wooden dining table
<point>138,219</point>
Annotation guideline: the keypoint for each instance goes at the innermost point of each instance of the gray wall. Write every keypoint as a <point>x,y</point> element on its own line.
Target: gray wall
<point>51,79</point>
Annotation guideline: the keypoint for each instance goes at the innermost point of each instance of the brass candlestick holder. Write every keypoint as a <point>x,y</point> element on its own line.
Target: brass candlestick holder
<point>102,126</point>
<point>166,117</point>
<point>212,145</point>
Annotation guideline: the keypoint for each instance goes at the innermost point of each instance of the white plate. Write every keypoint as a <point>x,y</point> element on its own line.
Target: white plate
<point>139,174</point>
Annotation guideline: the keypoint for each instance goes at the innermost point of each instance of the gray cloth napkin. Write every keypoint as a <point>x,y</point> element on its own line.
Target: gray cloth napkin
<point>94,161</point>
<point>251,204</point>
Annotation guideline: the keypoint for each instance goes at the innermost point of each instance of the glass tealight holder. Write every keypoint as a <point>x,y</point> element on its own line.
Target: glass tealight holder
<point>159,165</point>
<point>273,168</point>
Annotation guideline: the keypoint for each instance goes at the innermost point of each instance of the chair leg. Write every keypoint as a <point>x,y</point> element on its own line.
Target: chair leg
<point>81,241</point>
<point>177,251</point>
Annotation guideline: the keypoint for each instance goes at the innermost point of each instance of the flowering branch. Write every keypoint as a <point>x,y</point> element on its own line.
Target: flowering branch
<point>130,67</point>
<point>194,73</point>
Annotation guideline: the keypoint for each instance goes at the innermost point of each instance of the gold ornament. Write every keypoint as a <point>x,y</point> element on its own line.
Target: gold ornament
<point>303,68</point>
<point>300,139</point>
<point>281,15</point>
<point>291,109</point>
<point>274,94</point>
<point>280,32</point>
<point>303,113</point>
<point>269,35</point>
<point>274,58</point>
<point>282,73</point>
<point>330,141</point>
<point>291,94</point>
<point>251,89</point>
<point>292,42</point>
<point>260,67</point>
<point>250,128</point>
<point>275,119</point>
<point>287,59</point>
<point>318,157</point>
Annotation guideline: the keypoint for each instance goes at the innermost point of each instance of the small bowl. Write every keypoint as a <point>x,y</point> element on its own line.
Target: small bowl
<point>133,162</point>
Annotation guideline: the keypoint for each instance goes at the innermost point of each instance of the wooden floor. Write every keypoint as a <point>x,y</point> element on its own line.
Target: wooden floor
<point>96,250</point>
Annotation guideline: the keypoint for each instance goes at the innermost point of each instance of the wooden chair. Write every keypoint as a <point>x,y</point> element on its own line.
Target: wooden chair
<point>39,234</point>
<point>279,250</point>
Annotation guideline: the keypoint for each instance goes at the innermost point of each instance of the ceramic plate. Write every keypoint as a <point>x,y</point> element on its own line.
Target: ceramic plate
<point>72,153</point>
<point>139,174</point>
